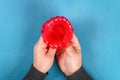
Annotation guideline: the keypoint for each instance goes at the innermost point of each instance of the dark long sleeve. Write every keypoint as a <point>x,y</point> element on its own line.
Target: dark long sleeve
<point>34,74</point>
<point>80,74</point>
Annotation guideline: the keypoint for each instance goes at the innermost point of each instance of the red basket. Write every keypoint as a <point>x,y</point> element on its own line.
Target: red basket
<point>57,32</point>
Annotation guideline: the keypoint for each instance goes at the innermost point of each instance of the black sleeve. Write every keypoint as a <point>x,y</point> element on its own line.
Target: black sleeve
<point>34,74</point>
<point>80,74</point>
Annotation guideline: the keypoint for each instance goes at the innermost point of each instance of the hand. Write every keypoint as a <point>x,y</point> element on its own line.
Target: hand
<point>43,56</point>
<point>69,59</point>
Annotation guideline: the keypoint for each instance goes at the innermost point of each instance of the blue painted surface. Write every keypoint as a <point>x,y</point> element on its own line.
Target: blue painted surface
<point>95,22</point>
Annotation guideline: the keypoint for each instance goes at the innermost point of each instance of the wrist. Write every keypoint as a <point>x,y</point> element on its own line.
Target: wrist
<point>39,68</point>
<point>72,71</point>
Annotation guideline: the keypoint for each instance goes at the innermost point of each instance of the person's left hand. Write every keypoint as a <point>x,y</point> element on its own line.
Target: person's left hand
<point>43,56</point>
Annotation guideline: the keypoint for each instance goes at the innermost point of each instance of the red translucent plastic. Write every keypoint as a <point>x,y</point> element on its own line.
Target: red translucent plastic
<point>57,32</point>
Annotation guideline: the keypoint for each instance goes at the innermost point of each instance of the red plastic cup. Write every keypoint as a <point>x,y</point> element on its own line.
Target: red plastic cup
<point>57,32</point>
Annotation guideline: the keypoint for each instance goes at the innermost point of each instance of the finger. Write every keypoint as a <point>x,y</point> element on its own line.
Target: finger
<point>51,52</point>
<point>60,57</point>
<point>69,50</point>
<point>60,51</point>
<point>75,43</point>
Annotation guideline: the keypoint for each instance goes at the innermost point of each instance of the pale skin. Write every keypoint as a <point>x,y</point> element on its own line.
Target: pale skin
<point>69,58</point>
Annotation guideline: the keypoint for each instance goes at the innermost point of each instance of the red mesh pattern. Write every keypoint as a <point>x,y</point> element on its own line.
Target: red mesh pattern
<point>57,32</point>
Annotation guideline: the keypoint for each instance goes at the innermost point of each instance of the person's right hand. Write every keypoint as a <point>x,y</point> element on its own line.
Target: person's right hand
<point>69,58</point>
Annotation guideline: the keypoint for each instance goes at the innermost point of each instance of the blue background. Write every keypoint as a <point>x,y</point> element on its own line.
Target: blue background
<point>96,23</point>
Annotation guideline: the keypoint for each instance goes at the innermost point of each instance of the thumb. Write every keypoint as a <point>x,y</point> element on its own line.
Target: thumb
<point>41,43</point>
<point>40,46</point>
<point>75,43</point>
<point>51,52</point>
